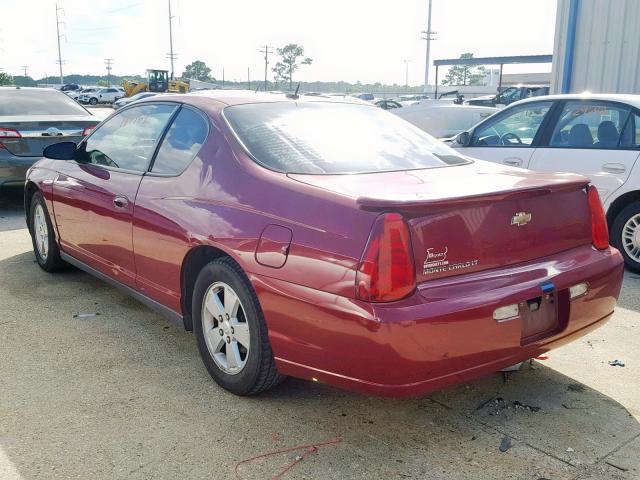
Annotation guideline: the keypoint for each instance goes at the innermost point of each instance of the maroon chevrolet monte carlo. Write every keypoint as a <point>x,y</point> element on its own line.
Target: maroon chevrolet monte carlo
<point>326,239</point>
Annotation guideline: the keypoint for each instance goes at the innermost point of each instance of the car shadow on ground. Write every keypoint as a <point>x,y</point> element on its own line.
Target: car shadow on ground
<point>11,209</point>
<point>95,385</point>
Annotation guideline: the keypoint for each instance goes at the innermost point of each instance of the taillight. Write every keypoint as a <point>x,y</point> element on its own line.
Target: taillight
<point>9,133</point>
<point>88,130</point>
<point>599,229</point>
<point>386,271</point>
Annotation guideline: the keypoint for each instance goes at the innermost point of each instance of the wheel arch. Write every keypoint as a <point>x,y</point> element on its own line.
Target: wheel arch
<point>619,203</point>
<point>30,188</point>
<point>192,264</point>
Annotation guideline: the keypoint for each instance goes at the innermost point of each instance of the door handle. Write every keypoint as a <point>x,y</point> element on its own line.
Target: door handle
<point>614,168</point>
<point>120,202</point>
<point>514,162</point>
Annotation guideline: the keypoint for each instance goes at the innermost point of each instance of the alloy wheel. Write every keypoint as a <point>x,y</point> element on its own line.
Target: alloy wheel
<point>225,328</point>
<point>631,237</point>
<point>41,232</point>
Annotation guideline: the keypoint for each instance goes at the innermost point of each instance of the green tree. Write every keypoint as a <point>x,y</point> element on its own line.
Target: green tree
<point>198,70</point>
<point>23,81</point>
<point>102,83</point>
<point>288,64</point>
<point>464,74</point>
<point>5,79</point>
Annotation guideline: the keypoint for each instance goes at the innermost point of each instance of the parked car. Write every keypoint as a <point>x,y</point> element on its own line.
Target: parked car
<point>76,94</point>
<point>325,239</point>
<point>103,95</point>
<point>595,135</point>
<point>70,87</point>
<point>30,120</point>
<point>509,95</point>
<point>127,100</point>
<point>442,118</point>
<point>369,97</point>
<point>410,99</point>
<point>388,104</point>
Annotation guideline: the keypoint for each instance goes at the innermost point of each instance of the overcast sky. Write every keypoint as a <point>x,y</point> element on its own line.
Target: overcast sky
<point>350,40</point>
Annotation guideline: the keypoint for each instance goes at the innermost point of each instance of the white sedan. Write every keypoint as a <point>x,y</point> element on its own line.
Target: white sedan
<point>597,135</point>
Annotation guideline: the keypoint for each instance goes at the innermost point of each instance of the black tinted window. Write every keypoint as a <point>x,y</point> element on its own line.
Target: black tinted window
<point>19,101</point>
<point>182,143</point>
<point>128,139</point>
<point>324,137</point>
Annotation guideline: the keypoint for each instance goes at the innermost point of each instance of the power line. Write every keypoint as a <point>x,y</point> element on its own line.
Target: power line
<point>427,35</point>
<point>266,50</point>
<point>108,62</point>
<point>58,22</point>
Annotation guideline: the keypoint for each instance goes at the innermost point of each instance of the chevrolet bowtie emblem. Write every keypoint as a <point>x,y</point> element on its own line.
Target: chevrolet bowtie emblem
<point>520,219</point>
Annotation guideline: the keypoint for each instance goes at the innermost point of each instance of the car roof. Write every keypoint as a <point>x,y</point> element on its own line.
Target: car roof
<point>629,99</point>
<point>239,97</point>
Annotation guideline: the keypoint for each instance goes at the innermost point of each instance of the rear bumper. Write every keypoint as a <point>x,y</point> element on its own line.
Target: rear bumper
<point>441,335</point>
<point>13,169</point>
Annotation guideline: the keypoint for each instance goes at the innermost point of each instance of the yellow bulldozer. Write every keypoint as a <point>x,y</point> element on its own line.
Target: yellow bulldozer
<point>157,81</point>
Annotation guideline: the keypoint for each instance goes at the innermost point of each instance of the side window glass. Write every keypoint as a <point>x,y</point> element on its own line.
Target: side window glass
<point>517,129</point>
<point>182,143</point>
<point>631,134</point>
<point>128,140</point>
<point>589,125</point>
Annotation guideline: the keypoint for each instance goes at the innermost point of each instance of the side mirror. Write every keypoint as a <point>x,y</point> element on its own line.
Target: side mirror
<point>61,151</point>
<point>464,139</point>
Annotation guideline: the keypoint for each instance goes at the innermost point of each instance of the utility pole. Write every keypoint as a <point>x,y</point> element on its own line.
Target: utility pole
<point>25,68</point>
<point>108,62</point>
<point>406,73</point>
<point>171,55</point>
<point>427,35</point>
<point>248,79</point>
<point>266,50</point>
<point>58,22</point>
<point>223,77</point>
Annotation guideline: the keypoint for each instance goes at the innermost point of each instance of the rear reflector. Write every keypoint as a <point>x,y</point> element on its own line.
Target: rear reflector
<point>506,313</point>
<point>386,271</point>
<point>9,133</point>
<point>599,229</point>
<point>578,290</point>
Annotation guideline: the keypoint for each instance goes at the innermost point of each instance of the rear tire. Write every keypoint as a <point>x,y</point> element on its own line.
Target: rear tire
<point>93,101</point>
<point>625,235</point>
<point>230,330</point>
<point>43,236</point>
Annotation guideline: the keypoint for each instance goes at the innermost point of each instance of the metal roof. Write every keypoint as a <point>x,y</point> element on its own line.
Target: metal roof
<point>495,60</point>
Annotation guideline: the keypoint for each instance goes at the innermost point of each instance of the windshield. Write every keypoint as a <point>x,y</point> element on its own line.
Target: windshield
<point>323,137</point>
<point>15,101</point>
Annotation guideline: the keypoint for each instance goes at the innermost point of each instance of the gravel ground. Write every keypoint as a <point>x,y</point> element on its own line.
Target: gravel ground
<point>122,394</point>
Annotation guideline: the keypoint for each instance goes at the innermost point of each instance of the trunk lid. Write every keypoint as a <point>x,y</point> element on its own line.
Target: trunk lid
<point>474,217</point>
<point>38,132</point>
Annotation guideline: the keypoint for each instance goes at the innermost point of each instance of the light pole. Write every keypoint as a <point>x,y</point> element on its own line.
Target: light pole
<point>427,35</point>
<point>406,73</point>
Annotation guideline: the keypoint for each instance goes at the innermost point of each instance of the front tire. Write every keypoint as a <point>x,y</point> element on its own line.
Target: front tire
<point>230,330</point>
<point>93,101</point>
<point>625,235</point>
<point>43,237</point>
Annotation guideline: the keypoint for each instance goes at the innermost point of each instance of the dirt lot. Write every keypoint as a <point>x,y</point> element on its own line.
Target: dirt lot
<point>122,394</point>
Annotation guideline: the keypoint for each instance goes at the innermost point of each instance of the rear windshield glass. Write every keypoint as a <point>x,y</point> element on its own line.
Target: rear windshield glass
<point>323,137</point>
<point>15,101</point>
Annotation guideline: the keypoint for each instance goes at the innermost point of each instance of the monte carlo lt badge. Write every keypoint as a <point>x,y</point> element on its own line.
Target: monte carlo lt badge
<point>436,262</point>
